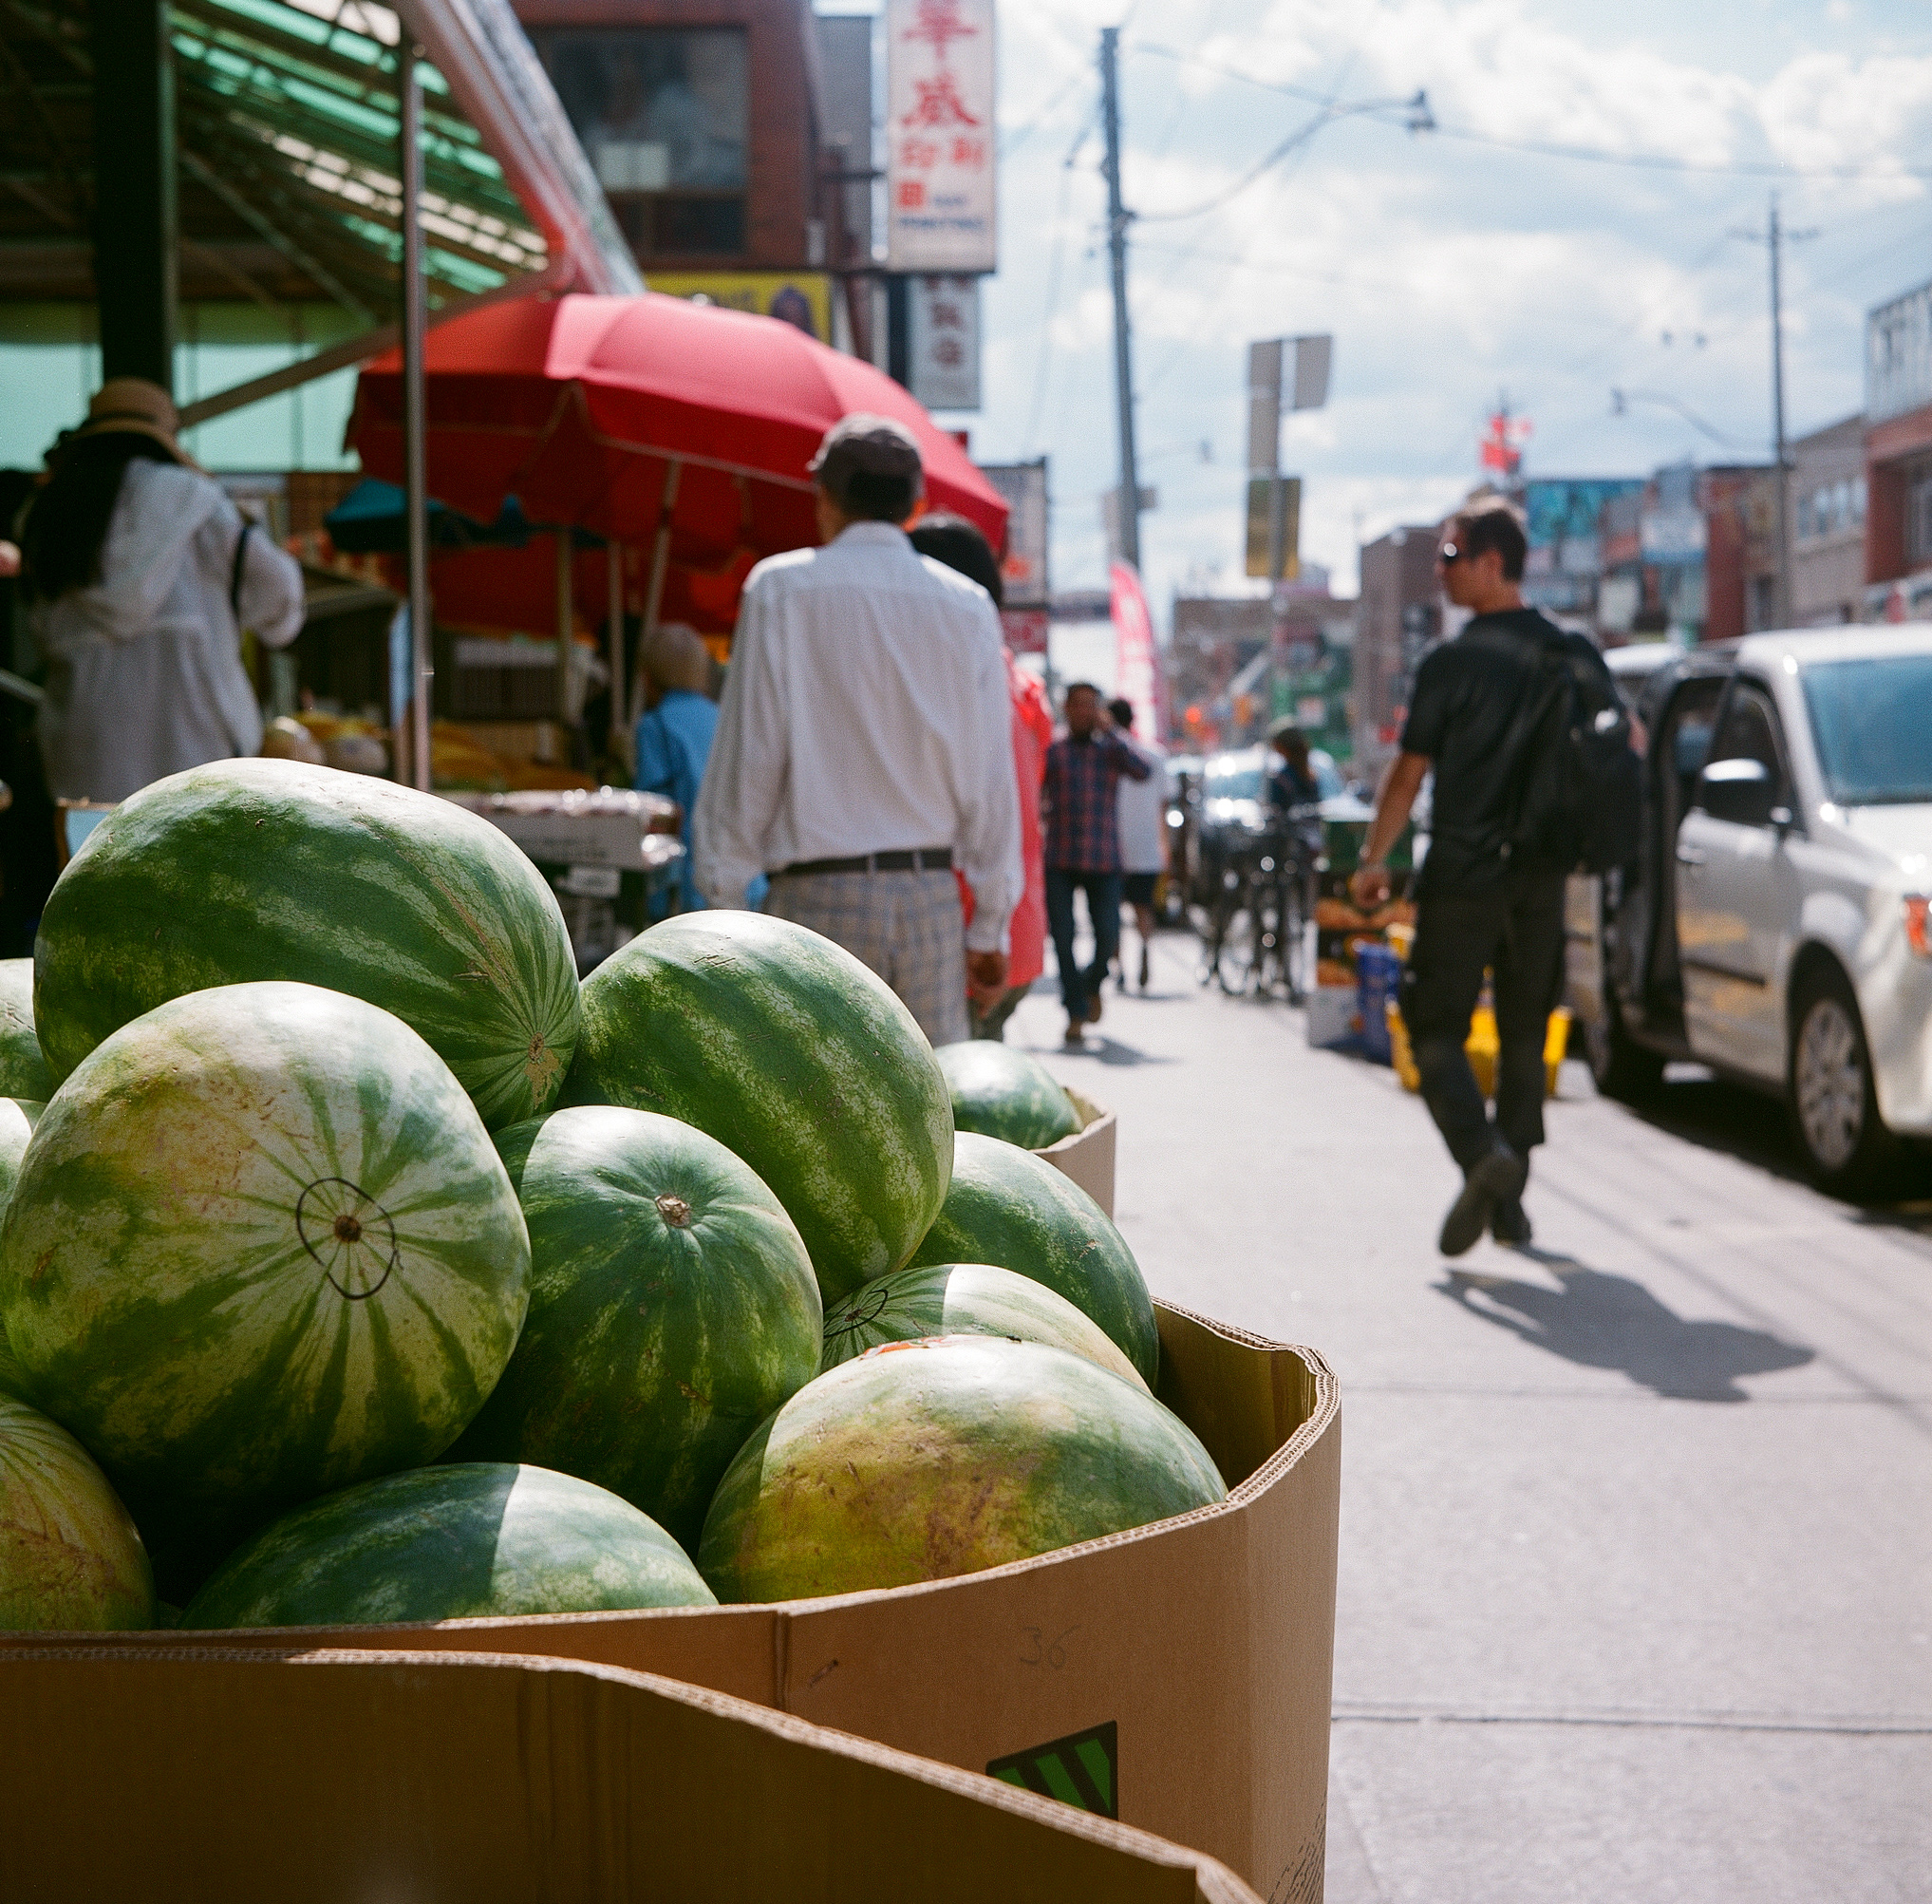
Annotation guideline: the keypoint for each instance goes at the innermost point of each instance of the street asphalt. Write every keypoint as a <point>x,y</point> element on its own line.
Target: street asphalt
<point>1636,1574</point>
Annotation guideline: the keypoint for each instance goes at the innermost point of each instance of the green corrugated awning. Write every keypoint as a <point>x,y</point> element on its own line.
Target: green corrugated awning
<point>286,119</point>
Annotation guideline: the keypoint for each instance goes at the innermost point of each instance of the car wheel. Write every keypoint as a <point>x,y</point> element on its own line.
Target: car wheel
<point>1621,1067</point>
<point>1834,1103</point>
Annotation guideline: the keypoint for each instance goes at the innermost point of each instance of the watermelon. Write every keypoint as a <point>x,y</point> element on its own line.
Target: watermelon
<point>1007,1094</point>
<point>261,1247</point>
<point>258,869</point>
<point>795,1057</point>
<point>673,1308</point>
<point>449,1543</point>
<point>924,1459</point>
<point>965,1299</point>
<point>1008,1207</point>
<point>17,1120</point>
<point>23,1071</point>
<point>70,1559</point>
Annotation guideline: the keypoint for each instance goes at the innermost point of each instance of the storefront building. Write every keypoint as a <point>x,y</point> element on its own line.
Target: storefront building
<point>1828,524</point>
<point>717,130</point>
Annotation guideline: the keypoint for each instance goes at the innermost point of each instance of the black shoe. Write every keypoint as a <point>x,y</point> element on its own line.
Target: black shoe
<point>1497,1178</point>
<point>1509,1224</point>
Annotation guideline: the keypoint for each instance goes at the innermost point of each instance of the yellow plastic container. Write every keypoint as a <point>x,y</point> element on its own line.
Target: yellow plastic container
<point>1482,1049</point>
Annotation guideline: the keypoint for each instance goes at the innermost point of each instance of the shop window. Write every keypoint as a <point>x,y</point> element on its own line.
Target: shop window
<point>1918,520</point>
<point>663,116</point>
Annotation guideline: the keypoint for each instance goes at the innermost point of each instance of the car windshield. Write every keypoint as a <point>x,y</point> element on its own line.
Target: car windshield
<point>1233,782</point>
<point>1869,719</point>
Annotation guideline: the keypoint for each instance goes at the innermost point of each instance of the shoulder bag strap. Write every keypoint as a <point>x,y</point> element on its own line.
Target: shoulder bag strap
<point>234,569</point>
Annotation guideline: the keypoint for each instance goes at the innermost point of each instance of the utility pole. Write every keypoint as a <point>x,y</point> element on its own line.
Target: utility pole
<point>1775,238</point>
<point>1775,241</point>
<point>1128,501</point>
<point>415,409</point>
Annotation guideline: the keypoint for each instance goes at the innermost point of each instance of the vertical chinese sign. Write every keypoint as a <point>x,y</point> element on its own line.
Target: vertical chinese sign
<point>940,163</point>
<point>943,358</point>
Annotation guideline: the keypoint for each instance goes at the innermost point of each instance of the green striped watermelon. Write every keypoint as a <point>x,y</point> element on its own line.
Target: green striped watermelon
<point>795,1057</point>
<point>449,1543</point>
<point>673,1308</point>
<point>70,1559</point>
<point>965,1299</point>
<point>261,1247</point>
<point>1008,1094</point>
<point>262,868</point>
<point>926,1460</point>
<point>1008,1207</point>
<point>23,1071</point>
<point>17,1120</point>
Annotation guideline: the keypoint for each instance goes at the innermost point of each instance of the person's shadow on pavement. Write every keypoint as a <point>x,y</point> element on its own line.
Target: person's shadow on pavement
<point>1603,1321</point>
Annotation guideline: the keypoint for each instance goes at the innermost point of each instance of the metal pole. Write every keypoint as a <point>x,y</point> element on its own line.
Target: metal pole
<point>654,591</point>
<point>1777,414</point>
<point>1128,510</point>
<point>566,623</point>
<point>415,480</point>
<point>620,741</point>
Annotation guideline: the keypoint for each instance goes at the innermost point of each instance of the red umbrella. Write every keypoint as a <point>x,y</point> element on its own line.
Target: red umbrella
<point>599,411</point>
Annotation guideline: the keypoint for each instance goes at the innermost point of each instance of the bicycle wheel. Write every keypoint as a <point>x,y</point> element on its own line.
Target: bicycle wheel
<point>1262,939</point>
<point>1215,939</point>
<point>1296,941</point>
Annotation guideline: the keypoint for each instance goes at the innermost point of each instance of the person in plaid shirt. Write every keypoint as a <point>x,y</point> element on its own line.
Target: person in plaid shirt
<point>1085,770</point>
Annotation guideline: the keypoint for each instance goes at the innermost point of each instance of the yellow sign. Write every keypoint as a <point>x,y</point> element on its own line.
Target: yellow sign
<point>803,298</point>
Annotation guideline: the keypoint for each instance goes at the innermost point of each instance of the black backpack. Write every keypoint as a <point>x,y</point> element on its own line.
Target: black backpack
<point>1577,786</point>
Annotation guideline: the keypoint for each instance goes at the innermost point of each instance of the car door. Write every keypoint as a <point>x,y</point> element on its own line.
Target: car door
<point>1735,900</point>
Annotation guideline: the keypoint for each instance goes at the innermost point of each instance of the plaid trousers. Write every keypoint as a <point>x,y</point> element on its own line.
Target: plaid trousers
<point>906,926</point>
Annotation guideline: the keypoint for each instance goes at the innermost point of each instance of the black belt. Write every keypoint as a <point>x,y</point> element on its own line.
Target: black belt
<point>917,860</point>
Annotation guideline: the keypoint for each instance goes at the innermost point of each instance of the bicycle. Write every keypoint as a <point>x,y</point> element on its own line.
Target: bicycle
<point>1277,906</point>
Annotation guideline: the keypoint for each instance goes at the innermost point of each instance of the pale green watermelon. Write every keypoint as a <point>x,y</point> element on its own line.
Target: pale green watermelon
<point>1008,1094</point>
<point>965,1299</point>
<point>1006,1206</point>
<point>795,1057</point>
<point>924,1459</point>
<point>70,1560</point>
<point>264,869</point>
<point>462,1542</point>
<point>673,1308</point>
<point>261,1247</point>
<point>17,1120</point>
<point>23,1069</point>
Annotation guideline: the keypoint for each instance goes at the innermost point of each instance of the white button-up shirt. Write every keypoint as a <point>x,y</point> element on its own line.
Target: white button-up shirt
<point>865,711</point>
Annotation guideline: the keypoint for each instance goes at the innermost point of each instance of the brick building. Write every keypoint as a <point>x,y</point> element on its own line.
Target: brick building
<point>1897,454</point>
<point>1398,620</point>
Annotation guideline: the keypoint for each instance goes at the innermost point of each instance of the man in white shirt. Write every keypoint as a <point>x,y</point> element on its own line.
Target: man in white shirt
<point>863,751</point>
<point>1142,823</point>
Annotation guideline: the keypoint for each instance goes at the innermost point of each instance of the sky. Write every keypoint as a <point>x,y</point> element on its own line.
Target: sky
<point>1452,267</point>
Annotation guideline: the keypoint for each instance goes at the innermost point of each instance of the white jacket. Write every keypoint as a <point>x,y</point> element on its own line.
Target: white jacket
<point>145,674</point>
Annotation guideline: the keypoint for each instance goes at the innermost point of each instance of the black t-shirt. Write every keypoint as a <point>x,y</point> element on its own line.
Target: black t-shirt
<point>1466,698</point>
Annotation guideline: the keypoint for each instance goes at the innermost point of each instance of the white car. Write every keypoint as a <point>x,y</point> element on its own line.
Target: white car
<point>1778,928</point>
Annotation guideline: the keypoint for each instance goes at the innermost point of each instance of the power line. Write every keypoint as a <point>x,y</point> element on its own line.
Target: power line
<point>1655,161</point>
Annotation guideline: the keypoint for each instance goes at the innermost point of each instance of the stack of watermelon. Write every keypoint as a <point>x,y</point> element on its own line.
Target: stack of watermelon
<point>358,1265</point>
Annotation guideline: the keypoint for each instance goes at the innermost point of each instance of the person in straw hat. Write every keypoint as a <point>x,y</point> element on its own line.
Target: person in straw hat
<point>674,734</point>
<point>138,577</point>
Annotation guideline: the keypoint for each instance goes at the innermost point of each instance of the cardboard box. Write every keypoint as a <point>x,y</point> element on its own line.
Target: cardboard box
<point>1087,1157</point>
<point>1185,1665</point>
<point>1330,1015</point>
<point>223,1777</point>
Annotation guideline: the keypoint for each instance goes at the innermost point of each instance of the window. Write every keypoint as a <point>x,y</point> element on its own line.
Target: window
<point>1869,719</point>
<point>663,116</point>
<point>1748,730</point>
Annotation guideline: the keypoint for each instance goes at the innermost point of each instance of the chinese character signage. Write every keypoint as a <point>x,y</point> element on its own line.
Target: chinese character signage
<point>1023,567</point>
<point>943,342</point>
<point>940,151</point>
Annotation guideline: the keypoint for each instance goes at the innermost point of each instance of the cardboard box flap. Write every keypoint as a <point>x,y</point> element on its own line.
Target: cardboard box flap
<point>212,1774</point>
<point>1252,1410</point>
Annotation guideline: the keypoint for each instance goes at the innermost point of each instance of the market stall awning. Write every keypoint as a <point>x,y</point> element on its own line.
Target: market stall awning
<point>286,121</point>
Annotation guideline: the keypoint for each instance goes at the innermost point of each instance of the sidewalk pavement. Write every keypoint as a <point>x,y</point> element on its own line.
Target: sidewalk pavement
<point>1636,1574</point>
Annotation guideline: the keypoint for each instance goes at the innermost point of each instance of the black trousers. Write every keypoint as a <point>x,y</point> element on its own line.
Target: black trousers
<point>1515,930</point>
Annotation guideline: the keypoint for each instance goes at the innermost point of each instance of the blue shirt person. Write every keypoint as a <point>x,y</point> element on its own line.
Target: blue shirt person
<point>674,735</point>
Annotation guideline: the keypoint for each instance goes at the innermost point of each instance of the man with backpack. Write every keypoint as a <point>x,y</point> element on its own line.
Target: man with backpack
<point>1533,776</point>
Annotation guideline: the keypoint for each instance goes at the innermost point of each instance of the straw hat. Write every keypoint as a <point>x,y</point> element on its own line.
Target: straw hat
<point>133,404</point>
